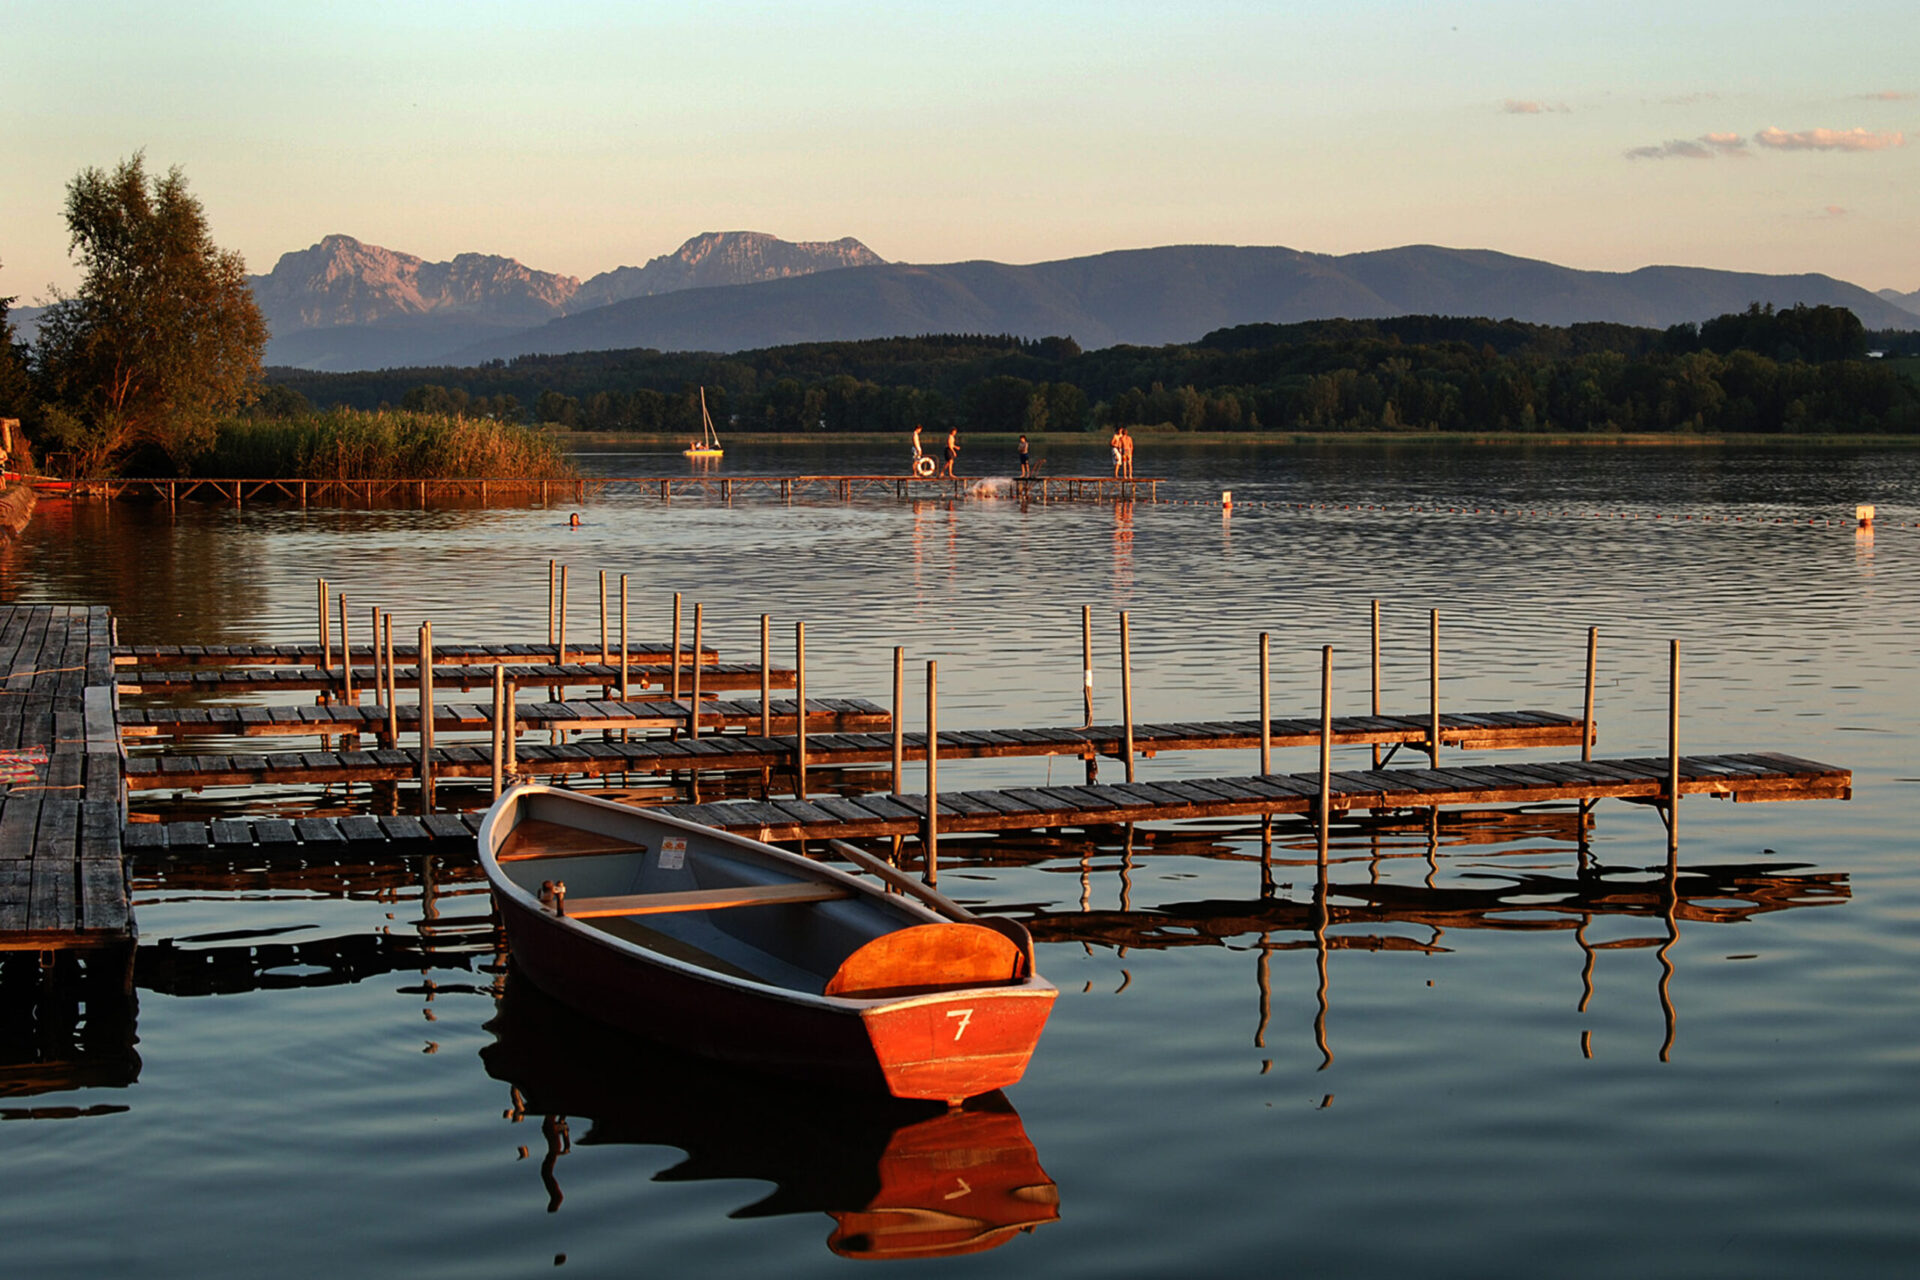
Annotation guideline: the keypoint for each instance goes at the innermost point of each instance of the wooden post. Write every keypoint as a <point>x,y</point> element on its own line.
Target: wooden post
<point>513,737</point>
<point>800,709</point>
<point>1433,682</point>
<point>603,617</point>
<point>1126,690</point>
<point>1673,747</point>
<point>1326,745</point>
<point>693,719</point>
<point>426,717</point>
<point>560,642</point>
<point>499,729</point>
<point>675,692</point>
<point>393,684</point>
<point>553,583</point>
<point>930,836</point>
<point>326,631</point>
<point>626,689</point>
<point>1376,675</point>
<point>899,716</point>
<point>766,676</point>
<point>1266,708</point>
<point>1586,739</point>
<point>346,655</point>
<point>1086,661</point>
<point>380,695</point>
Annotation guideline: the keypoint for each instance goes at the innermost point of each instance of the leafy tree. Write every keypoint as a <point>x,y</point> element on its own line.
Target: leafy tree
<point>163,336</point>
<point>16,387</point>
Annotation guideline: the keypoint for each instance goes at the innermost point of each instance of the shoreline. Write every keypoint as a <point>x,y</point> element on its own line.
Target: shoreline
<point>588,441</point>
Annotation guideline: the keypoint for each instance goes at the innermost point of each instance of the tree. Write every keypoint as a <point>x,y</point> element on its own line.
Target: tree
<point>16,388</point>
<point>163,336</point>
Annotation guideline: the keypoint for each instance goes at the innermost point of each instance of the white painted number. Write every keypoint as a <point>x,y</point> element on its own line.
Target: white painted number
<point>965,1016</point>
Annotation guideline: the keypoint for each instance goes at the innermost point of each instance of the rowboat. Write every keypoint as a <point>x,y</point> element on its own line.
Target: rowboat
<point>900,1179</point>
<point>750,954</point>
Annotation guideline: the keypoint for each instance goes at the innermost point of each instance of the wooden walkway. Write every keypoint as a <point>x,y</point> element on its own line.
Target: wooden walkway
<point>1757,777</point>
<point>830,750</point>
<point>444,655</point>
<point>828,715</point>
<point>510,489</point>
<point>62,882</point>
<point>716,677</point>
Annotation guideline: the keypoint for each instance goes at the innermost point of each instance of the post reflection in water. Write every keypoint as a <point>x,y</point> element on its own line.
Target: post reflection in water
<point>899,1179</point>
<point>1366,914</point>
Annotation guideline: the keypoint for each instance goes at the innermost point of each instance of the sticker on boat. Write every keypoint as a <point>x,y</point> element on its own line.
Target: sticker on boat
<point>673,853</point>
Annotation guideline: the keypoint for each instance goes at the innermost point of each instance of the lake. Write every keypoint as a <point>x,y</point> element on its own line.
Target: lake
<point>1527,1045</point>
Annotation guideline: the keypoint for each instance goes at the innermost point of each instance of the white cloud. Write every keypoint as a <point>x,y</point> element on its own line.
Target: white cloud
<point>1886,95</point>
<point>1530,107</point>
<point>1829,140</point>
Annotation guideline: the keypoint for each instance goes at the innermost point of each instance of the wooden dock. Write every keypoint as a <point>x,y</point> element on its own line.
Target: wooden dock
<point>62,879</point>
<point>826,715</point>
<point>444,655</point>
<point>1759,777</point>
<point>589,758</point>
<point>715,677</point>
<point>483,491</point>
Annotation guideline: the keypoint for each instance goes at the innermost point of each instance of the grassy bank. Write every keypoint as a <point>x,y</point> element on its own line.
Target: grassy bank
<point>349,444</point>
<point>738,442</point>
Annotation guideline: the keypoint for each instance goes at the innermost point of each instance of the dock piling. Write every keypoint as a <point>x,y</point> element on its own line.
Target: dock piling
<point>1673,746</point>
<point>1376,672</point>
<point>1326,746</point>
<point>693,717</point>
<point>899,719</point>
<point>426,717</point>
<point>626,687</point>
<point>1126,689</point>
<point>346,656</point>
<point>1266,709</point>
<point>499,729</point>
<point>1433,682</point>
<point>766,676</point>
<point>931,832</point>
<point>800,710</point>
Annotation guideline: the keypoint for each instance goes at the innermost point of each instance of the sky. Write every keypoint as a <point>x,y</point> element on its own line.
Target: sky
<point>577,137</point>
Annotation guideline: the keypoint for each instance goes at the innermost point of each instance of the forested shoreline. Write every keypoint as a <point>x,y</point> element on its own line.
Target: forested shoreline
<point>1799,370</point>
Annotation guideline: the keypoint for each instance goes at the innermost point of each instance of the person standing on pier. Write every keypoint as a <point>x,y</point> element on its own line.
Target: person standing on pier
<point>1119,435</point>
<point>1126,454</point>
<point>1026,469</point>
<point>953,450</point>
<point>916,445</point>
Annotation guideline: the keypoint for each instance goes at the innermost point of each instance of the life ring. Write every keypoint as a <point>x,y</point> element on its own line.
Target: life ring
<point>923,465</point>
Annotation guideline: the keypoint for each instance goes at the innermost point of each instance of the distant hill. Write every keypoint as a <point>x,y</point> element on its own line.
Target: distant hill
<point>1905,301</point>
<point>343,304</point>
<point>1152,297</point>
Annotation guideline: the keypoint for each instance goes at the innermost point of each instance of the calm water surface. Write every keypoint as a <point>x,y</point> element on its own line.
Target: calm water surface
<point>1500,1055</point>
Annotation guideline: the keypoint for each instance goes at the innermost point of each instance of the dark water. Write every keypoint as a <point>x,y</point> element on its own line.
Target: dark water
<point>1493,1056</point>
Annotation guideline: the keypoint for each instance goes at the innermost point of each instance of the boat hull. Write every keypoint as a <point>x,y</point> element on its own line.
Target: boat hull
<point>943,1044</point>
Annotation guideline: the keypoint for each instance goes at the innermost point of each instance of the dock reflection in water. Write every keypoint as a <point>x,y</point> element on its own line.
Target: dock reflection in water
<point>899,1179</point>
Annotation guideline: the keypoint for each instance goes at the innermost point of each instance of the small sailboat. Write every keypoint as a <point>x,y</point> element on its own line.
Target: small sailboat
<point>708,445</point>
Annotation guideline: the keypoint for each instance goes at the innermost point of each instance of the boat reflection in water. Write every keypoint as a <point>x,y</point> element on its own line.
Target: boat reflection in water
<point>900,1179</point>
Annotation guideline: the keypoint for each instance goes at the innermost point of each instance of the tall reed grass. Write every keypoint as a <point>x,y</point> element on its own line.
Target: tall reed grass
<point>351,444</point>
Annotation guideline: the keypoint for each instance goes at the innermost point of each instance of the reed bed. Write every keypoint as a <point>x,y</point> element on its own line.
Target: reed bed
<point>352,444</point>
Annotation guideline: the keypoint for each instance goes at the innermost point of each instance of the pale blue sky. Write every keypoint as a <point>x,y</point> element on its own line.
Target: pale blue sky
<point>577,137</point>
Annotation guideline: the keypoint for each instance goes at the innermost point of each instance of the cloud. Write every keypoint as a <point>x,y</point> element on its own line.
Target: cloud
<point>1837,211</point>
<point>1886,95</point>
<point>1704,147</point>
<point>1829,140</point>
<point>1529,107</point>
<point>1689,99</point>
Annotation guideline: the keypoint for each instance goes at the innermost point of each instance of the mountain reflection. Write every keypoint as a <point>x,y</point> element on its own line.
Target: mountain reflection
<point>899,1179</point>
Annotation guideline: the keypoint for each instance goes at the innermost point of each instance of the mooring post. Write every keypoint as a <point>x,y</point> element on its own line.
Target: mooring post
<point>513,736</point>
<point>603,617</point>
<point>1266,709</point>
<point>380,694</point>
<point>626,688</point>
<point>499,729</point>
<point>1433,682</point>
<point>346,655</point>
<point>560,641</point>
<point>799,710</point>
<point>1673,747</point>
<point>553,586</point>
<point>674,693</point>
<point>931,831</point>
<point>426,717</point>
<point>1126,690</point>
<point>393,684</point>
<point>693,717</point>
<point>766,676</point>
<point>1326,746</point>
<point>1086,662</point>
<point>326,631</point>
<point>899,717</point>
<point>1586,733</point>
<point>1376,674</point>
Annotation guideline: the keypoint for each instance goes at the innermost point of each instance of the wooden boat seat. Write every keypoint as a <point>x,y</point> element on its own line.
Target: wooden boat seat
<point>745,895</point>
<point>927,957</point>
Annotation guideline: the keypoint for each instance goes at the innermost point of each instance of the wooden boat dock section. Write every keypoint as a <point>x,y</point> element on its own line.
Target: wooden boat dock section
<point>589,758</point>
<point>444,655</point>
<point>715,677</point>
<point>1759,777</point>
<point>62,878</point>
<point>827,715</point>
